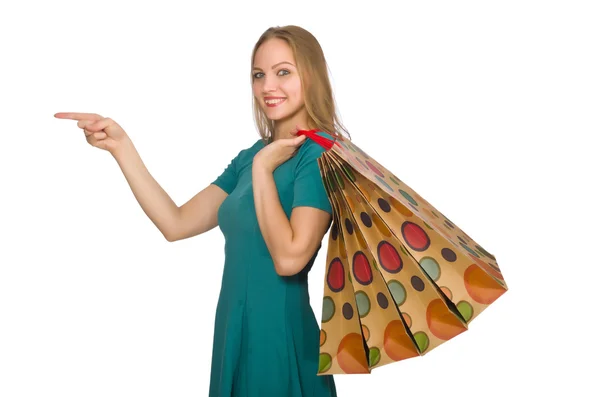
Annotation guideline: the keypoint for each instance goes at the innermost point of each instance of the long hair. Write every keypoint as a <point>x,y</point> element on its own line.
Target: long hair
<point>316,87</point>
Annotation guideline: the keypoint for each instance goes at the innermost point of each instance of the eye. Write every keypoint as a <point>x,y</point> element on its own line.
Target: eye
<point>256,75</point>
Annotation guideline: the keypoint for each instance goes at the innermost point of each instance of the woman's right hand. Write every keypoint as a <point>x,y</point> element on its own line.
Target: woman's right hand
<point>101,132</point>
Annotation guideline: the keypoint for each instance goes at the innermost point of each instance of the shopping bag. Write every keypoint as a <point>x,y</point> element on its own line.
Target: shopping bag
<point>401,278</point>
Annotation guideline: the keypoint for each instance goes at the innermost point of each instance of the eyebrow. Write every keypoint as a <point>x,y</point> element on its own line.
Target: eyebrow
<point>274,66</point>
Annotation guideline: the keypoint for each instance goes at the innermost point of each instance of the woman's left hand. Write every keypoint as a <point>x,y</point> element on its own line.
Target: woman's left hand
<point>278,152</point>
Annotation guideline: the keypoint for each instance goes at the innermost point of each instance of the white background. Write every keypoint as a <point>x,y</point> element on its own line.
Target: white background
<point>487,109</point>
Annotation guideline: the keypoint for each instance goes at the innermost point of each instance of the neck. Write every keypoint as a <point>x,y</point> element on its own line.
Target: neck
<point>284,128</point>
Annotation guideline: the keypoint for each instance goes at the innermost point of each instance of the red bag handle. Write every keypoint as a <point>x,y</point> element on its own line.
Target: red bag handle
<point>312,134</point>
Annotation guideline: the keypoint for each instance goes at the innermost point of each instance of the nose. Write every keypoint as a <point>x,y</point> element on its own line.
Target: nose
<point>269,84</point>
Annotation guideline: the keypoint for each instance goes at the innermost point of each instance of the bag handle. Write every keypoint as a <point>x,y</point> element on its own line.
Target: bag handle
<point>312,134</point>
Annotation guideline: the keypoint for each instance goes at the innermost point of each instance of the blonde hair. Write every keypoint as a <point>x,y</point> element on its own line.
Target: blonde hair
<point>316,87</point>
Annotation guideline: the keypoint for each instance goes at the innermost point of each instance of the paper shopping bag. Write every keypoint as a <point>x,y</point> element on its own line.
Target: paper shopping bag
<point>401,278</point>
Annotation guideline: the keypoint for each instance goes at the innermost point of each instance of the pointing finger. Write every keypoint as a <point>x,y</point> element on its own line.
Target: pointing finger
<point>78,116</point>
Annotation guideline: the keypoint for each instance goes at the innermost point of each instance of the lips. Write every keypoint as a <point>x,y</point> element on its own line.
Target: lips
<point>274,101</point>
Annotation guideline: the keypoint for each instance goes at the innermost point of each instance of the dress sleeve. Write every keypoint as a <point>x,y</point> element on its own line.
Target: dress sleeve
<point>309,189</point>
<point>228,179</point>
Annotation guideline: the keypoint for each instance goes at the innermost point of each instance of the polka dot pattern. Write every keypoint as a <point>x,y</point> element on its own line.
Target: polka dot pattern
<point>334,230</point>
<point>382,300</point>
<point>481,287</point>
<point>349,227</point>
<point>336,276</point>
<point>348,311</point>
<point>465,309</point>
<point>374,356</point>
<point>422,341</point>
<point>384,205</point>
<point>446,291</point>
<point>348,171</point>
<point>374,169</point>
<point>401,278</point>
<point>365,332</point>
<point>389,258</point>
<point>366,219</point>
<point>398,292</point>
<point>431,267</point>
<point>417,283</point>
<point>362,269</point>
<point>363,303</point>
<point>448,254</point>
<point>415,236</point>
<point>408,197</point>
<point>324,362</point>
<point>442,323</point>
<point>407,319</point>
<point>328,309</point>
<point>322,337</point>
<point>338,179</point>
<point>397,343</point>
<point>351,355</point>
<point>384,184</point>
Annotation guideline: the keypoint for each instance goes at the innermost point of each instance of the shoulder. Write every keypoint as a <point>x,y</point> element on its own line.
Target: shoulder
<point>310,150</point>
<point>246,155</point>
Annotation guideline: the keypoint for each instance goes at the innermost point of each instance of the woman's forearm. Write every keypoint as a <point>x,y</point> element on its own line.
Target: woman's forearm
<point>155,202</point>
<point>272,220</point>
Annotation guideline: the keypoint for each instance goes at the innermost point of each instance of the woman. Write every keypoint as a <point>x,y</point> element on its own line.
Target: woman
<point>272,207</point>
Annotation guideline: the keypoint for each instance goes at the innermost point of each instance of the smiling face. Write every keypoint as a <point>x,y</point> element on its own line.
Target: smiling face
<point>276,82</point>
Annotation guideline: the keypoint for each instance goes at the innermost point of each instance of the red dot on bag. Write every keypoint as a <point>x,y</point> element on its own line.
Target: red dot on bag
<point>335,275</point>
<point>389,258</point>
<point>374,169</point>
<point>362,269</point>
<point>415,236</point>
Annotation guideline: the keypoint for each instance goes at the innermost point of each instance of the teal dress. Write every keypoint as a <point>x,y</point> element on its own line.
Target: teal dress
<point>266,336</point>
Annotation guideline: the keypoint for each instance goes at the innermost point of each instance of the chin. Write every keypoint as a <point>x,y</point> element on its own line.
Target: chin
<point>280,115</point>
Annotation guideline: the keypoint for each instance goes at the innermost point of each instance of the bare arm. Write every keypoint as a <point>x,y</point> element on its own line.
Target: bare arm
<point>196,216</point>
<point>199,214</point>
<point>293,242</point>
<point>175,223</point>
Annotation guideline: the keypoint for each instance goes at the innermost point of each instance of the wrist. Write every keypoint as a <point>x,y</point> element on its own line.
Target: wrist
<point>120,151</point>
<point>259,166</point>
